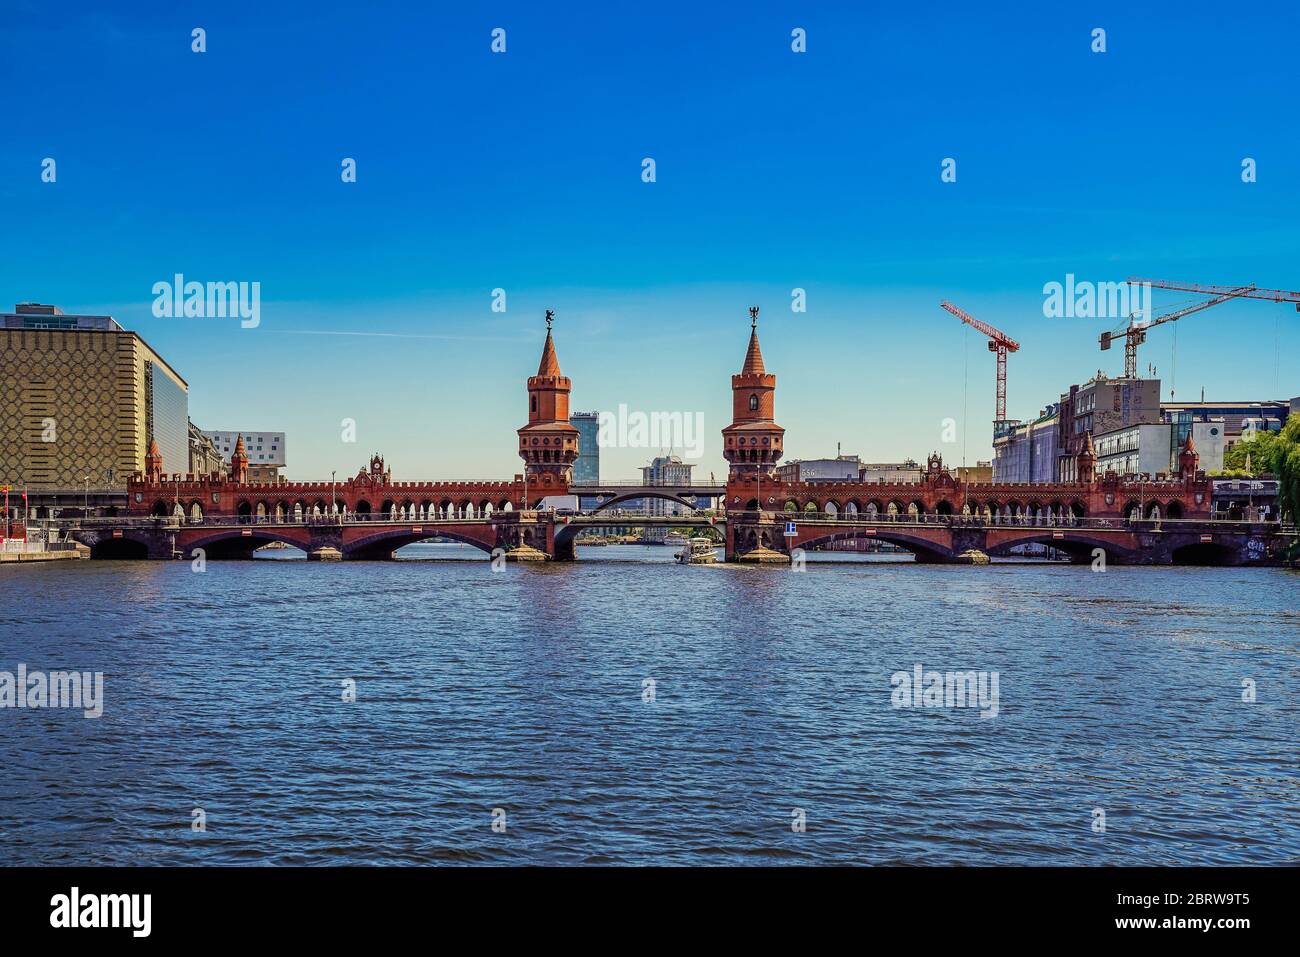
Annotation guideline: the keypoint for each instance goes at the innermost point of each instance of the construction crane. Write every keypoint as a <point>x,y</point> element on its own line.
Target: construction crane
<point>999,342</point>
<point>1272,295</point>
<point>1136,332</point>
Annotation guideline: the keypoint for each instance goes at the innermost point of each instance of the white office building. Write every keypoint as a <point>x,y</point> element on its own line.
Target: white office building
<point>264,449</point>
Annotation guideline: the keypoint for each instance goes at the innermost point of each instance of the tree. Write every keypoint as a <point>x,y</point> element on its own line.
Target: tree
<point>1277,453</point>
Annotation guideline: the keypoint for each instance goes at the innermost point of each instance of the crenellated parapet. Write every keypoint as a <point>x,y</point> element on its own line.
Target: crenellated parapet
<point>1110,497</point>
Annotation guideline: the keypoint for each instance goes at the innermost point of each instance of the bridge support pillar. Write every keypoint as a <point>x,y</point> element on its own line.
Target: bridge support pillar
<point>525,536</point>
<point>757,540</point>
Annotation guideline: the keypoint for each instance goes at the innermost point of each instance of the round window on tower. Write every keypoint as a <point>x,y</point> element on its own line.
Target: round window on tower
<point>766,441</point>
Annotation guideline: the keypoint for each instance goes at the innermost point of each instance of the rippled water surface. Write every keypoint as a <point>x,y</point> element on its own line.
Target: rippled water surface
<point>522,690</point>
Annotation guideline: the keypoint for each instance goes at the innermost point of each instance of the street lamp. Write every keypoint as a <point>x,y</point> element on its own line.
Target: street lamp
<point>334,508</point>
<point>85,504</point>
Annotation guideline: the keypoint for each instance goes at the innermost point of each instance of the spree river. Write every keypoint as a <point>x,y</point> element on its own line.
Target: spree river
<point>627,710</point>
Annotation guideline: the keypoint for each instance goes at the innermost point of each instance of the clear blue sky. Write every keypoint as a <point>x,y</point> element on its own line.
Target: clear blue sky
<point>775,170</point>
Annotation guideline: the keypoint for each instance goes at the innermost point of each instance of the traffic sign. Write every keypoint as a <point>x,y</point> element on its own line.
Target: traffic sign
<point>790,530</point>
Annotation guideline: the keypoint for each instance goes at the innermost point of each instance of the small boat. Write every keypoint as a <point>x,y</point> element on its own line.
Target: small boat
<point>698,551</point>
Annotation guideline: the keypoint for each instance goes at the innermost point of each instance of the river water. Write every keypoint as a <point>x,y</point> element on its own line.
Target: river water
<point>521,697</point>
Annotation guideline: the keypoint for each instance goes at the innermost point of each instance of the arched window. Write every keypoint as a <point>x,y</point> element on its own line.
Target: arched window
<point>532,403</point>
<point>753,403</point>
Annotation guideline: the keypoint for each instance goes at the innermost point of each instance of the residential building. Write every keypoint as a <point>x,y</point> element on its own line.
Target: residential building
<point>980,472</point>
<point>889,472</point>
<point>205,457</point>
<point>663,470</point>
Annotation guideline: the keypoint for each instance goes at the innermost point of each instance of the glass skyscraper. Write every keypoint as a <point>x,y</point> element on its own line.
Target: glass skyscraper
<point>587,466</point>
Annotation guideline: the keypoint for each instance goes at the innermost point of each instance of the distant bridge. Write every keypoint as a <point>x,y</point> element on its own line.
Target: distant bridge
<point>613,494</point>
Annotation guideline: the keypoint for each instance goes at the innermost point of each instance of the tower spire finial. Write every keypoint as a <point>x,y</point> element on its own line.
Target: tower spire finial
<point>753,317</point>
<point>550,317</point>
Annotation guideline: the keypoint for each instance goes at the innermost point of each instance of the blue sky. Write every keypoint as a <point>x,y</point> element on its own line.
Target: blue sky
<point>775,170</point>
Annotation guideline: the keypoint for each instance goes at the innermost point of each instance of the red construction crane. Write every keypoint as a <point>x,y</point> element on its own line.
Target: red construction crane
<point>999,342</point>
<point>1273,295</point>
<point>1136,332</point>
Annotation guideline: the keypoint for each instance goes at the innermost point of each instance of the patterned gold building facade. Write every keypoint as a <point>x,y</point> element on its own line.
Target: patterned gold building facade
<point>80,399</point>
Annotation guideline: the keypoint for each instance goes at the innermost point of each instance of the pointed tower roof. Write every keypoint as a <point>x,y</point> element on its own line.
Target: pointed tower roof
<point>1189,445</point>
<point>153,448</point>
<point>550,364</point>
<point>1088,449</point>
<point>753,357</point>
<point>239,446</point>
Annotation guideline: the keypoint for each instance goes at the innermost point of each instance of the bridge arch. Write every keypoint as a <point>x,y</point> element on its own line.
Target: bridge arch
<point>1204,553</point>
<point>119,549</point>
<point>922,549</point>
<point>649,491</point>
<point>382,543</point>
<point>229,543</point>
<point>1080,546</point>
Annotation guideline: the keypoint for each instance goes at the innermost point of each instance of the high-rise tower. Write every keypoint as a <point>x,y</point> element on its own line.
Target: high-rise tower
<point>548,444</point>
<point>752,442</point>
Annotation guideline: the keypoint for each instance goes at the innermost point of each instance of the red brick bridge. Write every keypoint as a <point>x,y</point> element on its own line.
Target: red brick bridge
<point>1134,519</point>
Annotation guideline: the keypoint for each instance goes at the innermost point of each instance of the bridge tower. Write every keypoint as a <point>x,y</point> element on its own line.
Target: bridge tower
<point>153,463</point>
<point>1086,460</point>
<point>548,444</point>
<point>239,462</point>
<point>752,442</point>
<point>1189,460</point>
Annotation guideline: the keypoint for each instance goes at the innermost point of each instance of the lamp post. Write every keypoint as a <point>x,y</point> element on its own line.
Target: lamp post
<point>85,504</point>
<point>334,507</point>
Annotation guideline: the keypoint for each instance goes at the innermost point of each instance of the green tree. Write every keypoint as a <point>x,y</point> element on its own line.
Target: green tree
<point>1277,453</point>
<point>1286,466</point>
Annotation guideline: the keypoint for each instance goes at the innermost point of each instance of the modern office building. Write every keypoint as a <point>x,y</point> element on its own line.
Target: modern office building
<point>1238,420</point>
<point>842,468</point>
<point>1153,448</point>
<point>265,451</point>
<point>82,400</point>
<point>586,468</point>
